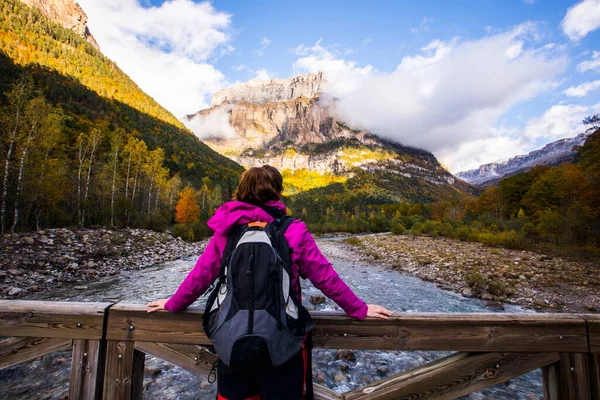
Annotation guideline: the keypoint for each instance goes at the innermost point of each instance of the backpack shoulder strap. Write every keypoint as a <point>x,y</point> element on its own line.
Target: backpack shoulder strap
<point>232,241</point>
<point>284,223</point>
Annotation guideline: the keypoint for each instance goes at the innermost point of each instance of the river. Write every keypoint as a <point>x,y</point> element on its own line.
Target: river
<point>48,377</point>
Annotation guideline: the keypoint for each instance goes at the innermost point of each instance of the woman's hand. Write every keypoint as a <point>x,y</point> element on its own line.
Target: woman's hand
<point>157,305</point>
<point>373,310</point>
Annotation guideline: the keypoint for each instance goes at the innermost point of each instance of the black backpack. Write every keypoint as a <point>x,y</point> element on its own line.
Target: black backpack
<point>253,316</point>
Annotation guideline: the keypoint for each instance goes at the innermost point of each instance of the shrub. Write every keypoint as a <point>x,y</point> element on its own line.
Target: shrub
<point>353,241</point>
<point>462,233</point>
<point>476,281</point>
<point>417,229</point>
<point>398,229</point>
<point>497,288</point>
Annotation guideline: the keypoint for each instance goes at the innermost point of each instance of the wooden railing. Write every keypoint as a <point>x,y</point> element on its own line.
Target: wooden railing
<point>109,343</point>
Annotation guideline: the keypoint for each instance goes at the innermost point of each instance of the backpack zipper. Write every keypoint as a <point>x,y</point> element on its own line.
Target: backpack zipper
<point>251,282</point>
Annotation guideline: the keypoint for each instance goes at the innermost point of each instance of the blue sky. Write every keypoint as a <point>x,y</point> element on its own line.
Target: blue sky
<point>471,81</point>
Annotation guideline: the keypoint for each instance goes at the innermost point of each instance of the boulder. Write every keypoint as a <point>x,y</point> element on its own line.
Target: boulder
<point>317,299</point>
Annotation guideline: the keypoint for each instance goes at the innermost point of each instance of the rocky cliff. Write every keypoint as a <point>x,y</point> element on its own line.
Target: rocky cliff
<point>263,91</point>
<point>551,154</point>
<point>68,13</point>
<point>284,124</point>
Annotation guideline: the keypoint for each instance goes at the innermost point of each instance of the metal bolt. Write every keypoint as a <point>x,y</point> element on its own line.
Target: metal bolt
<point>196,359</point>
<point>497,366</point>
<point>560,337</point>
<point>345,334</point>
<point>85,354</point>
<point>131,327</point>
<point>79,325</point>
<point>572,369</point>
<point>120,356</point>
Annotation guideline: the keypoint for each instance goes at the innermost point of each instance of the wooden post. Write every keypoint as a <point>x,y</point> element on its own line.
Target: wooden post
<point>594,360</point>
<point>84,369</point>
<point>137,382</point>
<point>118,371</point>
<point>574,382</point>
<point>550,381</point>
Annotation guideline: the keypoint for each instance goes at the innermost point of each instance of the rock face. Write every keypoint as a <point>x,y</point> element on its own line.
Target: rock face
<point>66,12</point>
<point>551,154</point>
<point>263,91</point>
<point>283,123</point>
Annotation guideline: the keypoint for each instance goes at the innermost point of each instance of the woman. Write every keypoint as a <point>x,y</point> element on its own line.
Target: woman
<point>257,198</point>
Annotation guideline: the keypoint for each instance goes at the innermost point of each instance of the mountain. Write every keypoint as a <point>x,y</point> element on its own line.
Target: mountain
<point>91,88</point>
<point>551,154</point>
<point>68,14</point>
<point>284,123</point>
<point>81,143</point>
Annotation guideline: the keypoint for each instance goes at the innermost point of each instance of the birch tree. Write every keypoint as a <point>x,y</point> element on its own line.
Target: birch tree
<point>92,141</point>
<point>116,142</point>
<point>37,114</point>
<point>152,168</point>
<point>12,120</point>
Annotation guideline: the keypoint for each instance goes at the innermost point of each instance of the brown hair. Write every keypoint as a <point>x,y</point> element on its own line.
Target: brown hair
<point>259,185</point>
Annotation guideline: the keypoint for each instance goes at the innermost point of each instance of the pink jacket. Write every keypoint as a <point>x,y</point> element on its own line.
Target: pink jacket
<point>305,254</point>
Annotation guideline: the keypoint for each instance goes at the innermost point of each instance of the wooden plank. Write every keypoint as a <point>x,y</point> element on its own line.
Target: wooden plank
<point>323,393</point>
<point>454,332</point>
<point>118,371</point>
<point>593,325</point>
<point>15,351</point>
<point>52,319</point>
<point>574,377</point>
<point>550,381</point>
<point>594,362</point>
<point>84,369</point>
<point>454,376</point>
<point>193,358</point>
<point>137,383</point>
<point>404,331</point>
<point>133,323</point>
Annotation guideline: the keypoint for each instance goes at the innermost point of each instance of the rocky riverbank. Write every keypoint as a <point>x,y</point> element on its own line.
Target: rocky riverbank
<point>497,275</point>
<point>38,261</point>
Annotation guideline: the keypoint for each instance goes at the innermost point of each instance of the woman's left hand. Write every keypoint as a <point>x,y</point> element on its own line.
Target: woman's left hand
<point>377,311</point>
<point>157,305</point>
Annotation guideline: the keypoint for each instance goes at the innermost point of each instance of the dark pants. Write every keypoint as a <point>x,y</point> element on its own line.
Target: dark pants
<point>285,382</point>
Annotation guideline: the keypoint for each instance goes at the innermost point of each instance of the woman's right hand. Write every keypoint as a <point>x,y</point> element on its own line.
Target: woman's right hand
<point>376,311</point>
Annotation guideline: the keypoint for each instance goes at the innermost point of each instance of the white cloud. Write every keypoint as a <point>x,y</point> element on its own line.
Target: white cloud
<point>212,125</point>
<point>424,26</point>
<point>263,46</point>
<point>472,154</point>
<point>560,121</point>
<point>590,65</point>
<point>583,89</point>
<point>164,49</point>
<point>450,94</point>
<point>262,74</point>
<point>240,67</point>
<point>348,76</point>
<point>581,19</point>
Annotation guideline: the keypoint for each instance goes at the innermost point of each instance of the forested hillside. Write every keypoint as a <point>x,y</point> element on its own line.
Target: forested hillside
<point>81,144</point>
<point>554,209</point>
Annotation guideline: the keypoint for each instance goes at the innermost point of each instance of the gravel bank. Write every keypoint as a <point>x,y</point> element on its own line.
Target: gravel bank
<point>38,261</point>
<point>497,275</point>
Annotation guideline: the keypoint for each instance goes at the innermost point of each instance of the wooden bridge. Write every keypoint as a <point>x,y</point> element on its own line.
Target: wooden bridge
<point>109,342</point>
